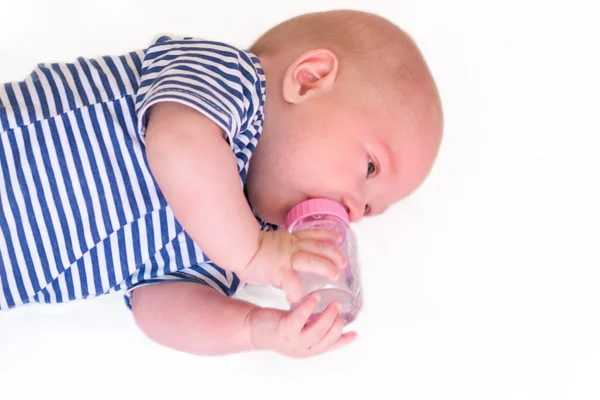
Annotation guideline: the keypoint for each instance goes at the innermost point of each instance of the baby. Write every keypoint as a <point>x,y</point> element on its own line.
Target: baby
<point>133,173</point>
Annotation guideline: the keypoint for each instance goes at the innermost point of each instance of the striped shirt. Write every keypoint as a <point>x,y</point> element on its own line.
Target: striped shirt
<point>80,213</point>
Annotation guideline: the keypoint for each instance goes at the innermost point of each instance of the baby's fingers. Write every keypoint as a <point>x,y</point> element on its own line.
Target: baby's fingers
<point>323,249</point>
<point>314,332</point>
<point>334,333</point>
<point>323,235</point>
<point>289,282</point>
<point>314,264</point>
<point>298,318</point>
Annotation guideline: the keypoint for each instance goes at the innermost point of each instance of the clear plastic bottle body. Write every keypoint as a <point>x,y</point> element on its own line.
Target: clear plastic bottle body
<point>347,288</point>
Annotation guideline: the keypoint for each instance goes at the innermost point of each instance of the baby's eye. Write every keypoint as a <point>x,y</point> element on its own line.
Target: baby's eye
<point>371,168</point>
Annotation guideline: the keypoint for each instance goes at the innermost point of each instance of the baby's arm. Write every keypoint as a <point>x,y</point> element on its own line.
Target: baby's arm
<point>196,319</point>
<point>192,318</point>
<point>197,173</point>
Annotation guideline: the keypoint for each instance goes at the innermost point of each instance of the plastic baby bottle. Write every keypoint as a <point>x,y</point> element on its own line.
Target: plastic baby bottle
<point>327,214</point>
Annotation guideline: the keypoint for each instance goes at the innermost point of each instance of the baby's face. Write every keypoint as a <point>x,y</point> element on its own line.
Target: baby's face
<point>348,145</point>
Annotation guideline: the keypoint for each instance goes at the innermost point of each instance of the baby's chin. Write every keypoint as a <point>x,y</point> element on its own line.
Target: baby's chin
<point>273,203</point>
<point>269,213</point>
<point>275,218</point>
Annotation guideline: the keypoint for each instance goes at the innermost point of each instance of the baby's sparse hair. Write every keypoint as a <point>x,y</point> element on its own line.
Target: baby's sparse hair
<point>379,51</point>
<point>347,33</point>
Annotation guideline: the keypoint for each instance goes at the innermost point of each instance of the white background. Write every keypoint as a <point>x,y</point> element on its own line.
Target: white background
<point>484,284</point>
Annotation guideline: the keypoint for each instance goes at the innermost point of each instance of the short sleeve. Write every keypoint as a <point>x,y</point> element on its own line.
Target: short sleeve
<point>216,79</point>
<point>182,261</point>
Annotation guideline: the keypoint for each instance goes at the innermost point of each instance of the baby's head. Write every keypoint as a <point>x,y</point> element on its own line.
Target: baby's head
<point>352,114</point>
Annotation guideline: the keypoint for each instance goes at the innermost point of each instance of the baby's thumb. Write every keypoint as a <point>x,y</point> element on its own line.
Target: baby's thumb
<point>291,285</point>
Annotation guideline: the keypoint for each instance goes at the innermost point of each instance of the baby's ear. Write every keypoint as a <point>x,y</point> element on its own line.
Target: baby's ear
<point>313,73</point>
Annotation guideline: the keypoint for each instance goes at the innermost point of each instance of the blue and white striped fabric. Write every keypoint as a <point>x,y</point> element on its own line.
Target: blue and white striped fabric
<point>80,213</point>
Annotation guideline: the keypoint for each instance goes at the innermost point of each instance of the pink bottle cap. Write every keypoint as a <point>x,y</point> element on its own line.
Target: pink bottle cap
<point>315,207</point>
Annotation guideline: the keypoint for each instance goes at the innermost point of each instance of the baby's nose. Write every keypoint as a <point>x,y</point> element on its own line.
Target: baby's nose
<point>358,213</point>
<point>347,210</point>
<point>355,208</point>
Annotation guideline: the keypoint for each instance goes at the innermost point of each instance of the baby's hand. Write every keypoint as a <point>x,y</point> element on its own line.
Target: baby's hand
<point>289,332</point>
<point>281,255</point>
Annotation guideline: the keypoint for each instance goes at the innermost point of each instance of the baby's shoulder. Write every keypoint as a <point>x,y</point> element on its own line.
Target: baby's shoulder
<point>190,44</point>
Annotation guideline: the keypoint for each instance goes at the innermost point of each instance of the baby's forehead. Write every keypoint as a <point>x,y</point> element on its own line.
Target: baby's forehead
<point>409,127</point>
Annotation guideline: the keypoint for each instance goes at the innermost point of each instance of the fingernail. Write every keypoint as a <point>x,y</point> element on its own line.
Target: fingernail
<point>338,307</point>
<point>317,298</point>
